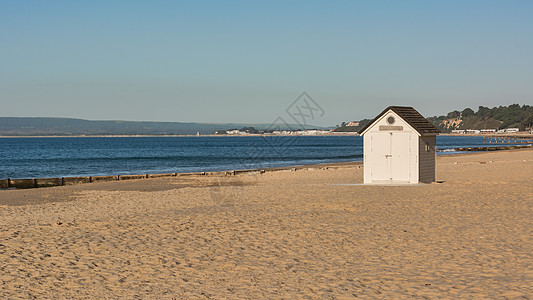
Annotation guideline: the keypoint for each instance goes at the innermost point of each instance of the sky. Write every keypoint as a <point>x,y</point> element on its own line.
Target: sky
<point>247,61</point>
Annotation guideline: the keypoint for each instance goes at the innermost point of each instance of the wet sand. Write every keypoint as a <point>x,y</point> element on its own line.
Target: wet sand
<point>315,233</point>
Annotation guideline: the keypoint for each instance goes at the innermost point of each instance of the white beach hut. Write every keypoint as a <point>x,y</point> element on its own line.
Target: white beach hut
<point>399,147</point>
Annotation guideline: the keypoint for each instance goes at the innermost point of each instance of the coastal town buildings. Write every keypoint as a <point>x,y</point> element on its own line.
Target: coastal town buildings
<point>485,131</point>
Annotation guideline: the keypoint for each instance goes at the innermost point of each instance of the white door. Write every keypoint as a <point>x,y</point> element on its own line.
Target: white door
<point>390,156</point>
<point>380,156</point>
<point>399,167</point>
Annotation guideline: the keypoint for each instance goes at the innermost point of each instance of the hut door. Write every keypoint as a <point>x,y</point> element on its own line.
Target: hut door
<point>399,167</point>
<point>390,156</point>
<point>381,145</point>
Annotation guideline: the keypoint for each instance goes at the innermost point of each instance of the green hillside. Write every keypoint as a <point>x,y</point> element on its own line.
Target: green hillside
<point>512,116</point>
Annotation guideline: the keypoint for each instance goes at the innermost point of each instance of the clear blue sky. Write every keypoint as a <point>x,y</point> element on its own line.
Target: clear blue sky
<point>245,61</point>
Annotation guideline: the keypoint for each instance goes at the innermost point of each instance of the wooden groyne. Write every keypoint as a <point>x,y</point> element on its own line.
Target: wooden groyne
<point>516,136</point>
<point>493,148</point>
<point>30,183</point>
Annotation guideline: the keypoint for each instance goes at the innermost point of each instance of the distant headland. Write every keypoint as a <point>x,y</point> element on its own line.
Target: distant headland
<point>42,126</point>
<point>509,119</point>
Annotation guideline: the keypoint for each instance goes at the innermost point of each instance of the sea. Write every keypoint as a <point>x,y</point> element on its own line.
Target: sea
<point>38,157</point>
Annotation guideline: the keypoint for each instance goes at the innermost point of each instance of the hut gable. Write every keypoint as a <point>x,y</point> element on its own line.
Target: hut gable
<point>412,117</point>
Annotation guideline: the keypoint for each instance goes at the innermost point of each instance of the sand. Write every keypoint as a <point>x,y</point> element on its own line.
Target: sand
<point>284,234</point>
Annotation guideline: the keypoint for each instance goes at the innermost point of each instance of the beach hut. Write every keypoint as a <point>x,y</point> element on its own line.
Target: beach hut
<point>399,147</point>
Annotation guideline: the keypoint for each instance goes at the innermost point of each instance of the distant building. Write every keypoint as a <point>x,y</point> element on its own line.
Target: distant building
<point>313,132</point>
<point>282,132</point>
<point>458,131</point>
<point>472,131</point>
<point>235,132</point>
<point>488,130</point>
<point>512,130</point>
<point>353,123</point>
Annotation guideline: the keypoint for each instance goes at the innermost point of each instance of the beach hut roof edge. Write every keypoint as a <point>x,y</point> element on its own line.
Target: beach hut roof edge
<point>409,115</point>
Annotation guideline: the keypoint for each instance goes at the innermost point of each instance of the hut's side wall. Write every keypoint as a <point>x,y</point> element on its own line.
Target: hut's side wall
<point>427,158</point>
<point>413,158</point>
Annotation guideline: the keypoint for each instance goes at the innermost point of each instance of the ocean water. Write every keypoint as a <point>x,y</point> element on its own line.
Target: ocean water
<point>91,156</point>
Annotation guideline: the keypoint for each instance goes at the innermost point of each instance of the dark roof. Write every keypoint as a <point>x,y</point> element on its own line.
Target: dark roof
<point>409,115</point>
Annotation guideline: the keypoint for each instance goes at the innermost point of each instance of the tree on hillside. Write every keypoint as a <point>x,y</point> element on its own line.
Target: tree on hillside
<point>249,130</point>
<point>528,121</point>
<point>454,114</point>
<point>483,112</point>
<point>467,112</point>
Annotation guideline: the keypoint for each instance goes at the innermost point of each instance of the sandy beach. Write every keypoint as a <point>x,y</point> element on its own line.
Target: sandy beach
<point>312,233</point>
